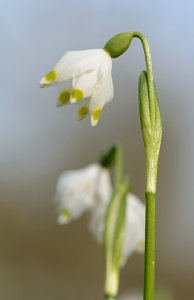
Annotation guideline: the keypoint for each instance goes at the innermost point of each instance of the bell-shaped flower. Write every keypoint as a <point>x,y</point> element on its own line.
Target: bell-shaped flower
<point>86,78</point>
<point>134,237</point>
<point>77,191</point>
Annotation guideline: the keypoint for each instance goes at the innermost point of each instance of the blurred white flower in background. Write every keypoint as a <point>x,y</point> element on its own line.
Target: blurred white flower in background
<point>92,86</point>
<point>78,190</point>
<point>134,238</point>
<point>90,189</point>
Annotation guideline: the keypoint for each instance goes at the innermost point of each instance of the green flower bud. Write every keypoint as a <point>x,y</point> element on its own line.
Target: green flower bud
<point>118,44</point>
<point>108,157</point>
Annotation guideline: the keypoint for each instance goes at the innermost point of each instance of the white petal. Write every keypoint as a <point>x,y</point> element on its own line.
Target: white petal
<point>135,223</point>
<point>103,91</point>
<point>83,108</point>
<point>84,85</point>
<point>75,192</point>
<point>135,226</point>
<point>73,64</point>
<point>98,211</point>
<point>64,90</point>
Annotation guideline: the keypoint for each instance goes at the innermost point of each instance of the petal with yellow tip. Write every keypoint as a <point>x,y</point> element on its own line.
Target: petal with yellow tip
<point>49,79</point>
<point>83,109</point>
<point>64,217</point>
<point>77,95</point>
<point>64,90</point>
<point>76,191</point>
<point>95,116</point>
<point>83,86</point>
<point>103,92</point>
<point>82,112</point>
<point>63,98</point>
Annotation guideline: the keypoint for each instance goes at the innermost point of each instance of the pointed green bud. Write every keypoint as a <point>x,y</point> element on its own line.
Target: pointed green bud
<point>114,237</point>
<point>152,134</point>
<point>108,157</point>
<point>118,44</point>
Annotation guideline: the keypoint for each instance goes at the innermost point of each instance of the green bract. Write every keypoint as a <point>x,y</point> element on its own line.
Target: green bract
<point>113,237</point>
<point>152,134</point>
<point>118,44</point>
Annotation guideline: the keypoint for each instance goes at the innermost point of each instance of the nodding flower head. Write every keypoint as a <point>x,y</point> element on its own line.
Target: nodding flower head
<point>85,78</point>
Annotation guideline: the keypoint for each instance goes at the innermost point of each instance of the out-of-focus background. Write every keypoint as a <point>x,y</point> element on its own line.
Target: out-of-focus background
<point>38,258</point>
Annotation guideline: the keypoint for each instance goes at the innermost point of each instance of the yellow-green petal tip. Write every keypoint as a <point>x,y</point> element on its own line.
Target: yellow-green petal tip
<point>51,76</point>
<point>63,98</point>
<point>77,95</point>
<point>82,112</point>
<point>95,116</point>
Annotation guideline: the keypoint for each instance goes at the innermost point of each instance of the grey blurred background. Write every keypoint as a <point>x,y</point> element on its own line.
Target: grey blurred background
<point>38,258</point>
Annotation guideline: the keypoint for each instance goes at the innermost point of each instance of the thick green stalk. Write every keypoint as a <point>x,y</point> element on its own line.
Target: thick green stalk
<point>149,268</point>
<point>149,263</point>
<point>151,130</point>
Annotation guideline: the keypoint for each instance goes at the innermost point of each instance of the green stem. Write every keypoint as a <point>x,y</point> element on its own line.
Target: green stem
<point>149,267</point>
<point>149,263</point>
<point>149,73</point>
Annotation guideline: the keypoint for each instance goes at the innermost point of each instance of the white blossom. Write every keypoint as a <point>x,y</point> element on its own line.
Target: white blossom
<point>134,237</point>
<point>89,72</point>
<point>77,191</point>
<point>90,189</point>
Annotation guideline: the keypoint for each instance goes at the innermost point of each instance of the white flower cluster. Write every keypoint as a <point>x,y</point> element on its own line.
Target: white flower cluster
<point>90,189</point>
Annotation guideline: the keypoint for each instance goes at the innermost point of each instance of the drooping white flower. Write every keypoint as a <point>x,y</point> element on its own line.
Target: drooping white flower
<point>77,191</point>
<point>135,225</point>
<point>91,81</point>
<point>90,189</point>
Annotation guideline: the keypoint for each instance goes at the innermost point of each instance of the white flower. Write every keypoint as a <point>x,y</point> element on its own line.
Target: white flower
<point>91,81</point>
<point>90,189</point>
<point>135,225</point>
<point>77,191</point>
